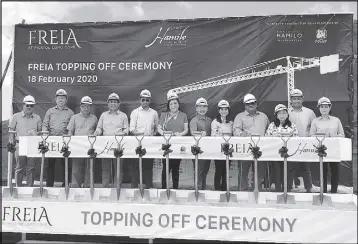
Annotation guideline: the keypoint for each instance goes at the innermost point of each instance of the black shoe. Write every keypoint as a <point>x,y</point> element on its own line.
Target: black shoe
<point>309,190</point>
<point>297,182</point>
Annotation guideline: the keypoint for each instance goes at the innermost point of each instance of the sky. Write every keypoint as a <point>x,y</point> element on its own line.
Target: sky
<point>57,12</point>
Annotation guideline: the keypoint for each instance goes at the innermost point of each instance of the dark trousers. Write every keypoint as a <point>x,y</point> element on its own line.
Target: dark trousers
<point>334,176</point>
<point>24,167</point>
<point>243,178</point>
<point>109,172</point>
<point>203,169</point>
<point>59,164</point>
<point>147,170</point>
<point>80,173</point>
<point>220,175</point>
<point>279,176</point>
<point>174,165</point>
<point>305,168</point>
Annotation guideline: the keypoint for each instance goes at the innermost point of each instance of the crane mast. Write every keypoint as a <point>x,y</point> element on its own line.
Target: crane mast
<point>290,81</point>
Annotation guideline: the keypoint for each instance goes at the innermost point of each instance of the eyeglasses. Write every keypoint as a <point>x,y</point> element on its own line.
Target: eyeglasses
<point>145,100</point>
<point>85,105</point>
<point>29,105</point>
<point>249,104</point>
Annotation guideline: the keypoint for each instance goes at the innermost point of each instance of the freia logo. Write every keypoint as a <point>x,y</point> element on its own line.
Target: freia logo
<point>53,37</point>
<point>23,214</point>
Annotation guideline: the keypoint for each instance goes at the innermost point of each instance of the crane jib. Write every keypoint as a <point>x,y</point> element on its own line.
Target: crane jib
<point>296,65</point>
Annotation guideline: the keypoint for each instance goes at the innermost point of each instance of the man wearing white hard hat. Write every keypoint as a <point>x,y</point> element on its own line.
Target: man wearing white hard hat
<point>82,124</point>
<point>245,123</point>
<point>110,123</point>
<point>332,127</point>
<point>145,120</point>
<point>25,123</point>
<point>302,117</point>
<point>55,122</point>
<point>175,121</point>
<point>201,123</point>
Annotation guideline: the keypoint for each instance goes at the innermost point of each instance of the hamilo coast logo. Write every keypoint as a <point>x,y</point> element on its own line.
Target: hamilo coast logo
<point>53,39</point>
<point>172,36</point>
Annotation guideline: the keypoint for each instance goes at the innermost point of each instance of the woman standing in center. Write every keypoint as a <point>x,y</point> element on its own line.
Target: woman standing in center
<point>177,122</point>
<point>220,125</point>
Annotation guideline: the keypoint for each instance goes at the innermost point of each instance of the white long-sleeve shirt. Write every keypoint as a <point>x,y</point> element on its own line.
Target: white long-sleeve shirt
<point>144,121</point>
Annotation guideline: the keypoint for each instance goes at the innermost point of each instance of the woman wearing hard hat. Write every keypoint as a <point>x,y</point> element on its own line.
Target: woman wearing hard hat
<point>175,121</point>
<point>332,126</point>
<point>220,125</point>
<point>282,124</point>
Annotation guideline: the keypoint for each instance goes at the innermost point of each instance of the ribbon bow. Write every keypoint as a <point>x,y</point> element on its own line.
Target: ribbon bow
<point>43,147</point>
<point>321,151</point>
<point>255,151</point>
<point>226,149</point>
<point>283,152</point>
<point>92,153</point>
<point>195,150</point>
<point>140,151</point>
<point>166,149</point>
<point>65,152</point>
<point>118,152</point>
<point>11,147</point>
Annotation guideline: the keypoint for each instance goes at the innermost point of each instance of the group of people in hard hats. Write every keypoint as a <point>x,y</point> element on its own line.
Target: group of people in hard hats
<point>61,120</point>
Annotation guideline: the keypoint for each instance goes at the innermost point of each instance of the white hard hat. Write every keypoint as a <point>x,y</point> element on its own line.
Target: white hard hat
<point>86,100</point>
<point>113,96</point>
<point>280,107</point>
<point>249,98</point>
<point>61,92</point>
<point>171,95</point>
<point>145,93</point>
<point>201,102</point>
<point>29,100</point>
<point>223,104</point>
<point>324,100</point>
<point>296,93</point>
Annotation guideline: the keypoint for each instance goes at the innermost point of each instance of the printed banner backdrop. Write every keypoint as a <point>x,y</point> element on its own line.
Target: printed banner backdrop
<point>96,59</point>
<point>252,224</point>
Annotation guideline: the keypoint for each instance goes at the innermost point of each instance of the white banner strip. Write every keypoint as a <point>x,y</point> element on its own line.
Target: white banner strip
<point>232,223</point>
<point>302,148</point>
